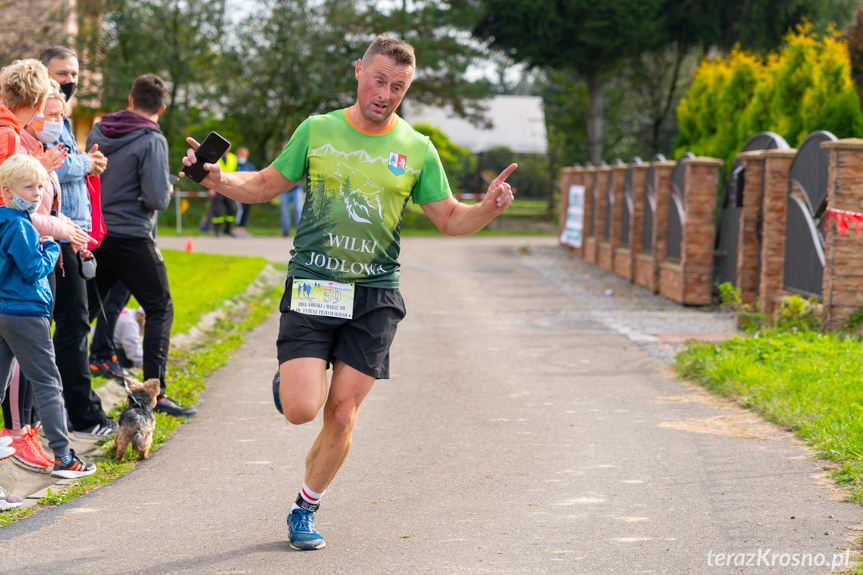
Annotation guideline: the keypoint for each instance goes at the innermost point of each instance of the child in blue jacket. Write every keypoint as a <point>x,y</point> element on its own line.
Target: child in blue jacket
<point>25,305</point>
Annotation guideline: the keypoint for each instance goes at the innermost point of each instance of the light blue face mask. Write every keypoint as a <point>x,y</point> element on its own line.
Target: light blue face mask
<point>50,132</point>
<point>19,203</point>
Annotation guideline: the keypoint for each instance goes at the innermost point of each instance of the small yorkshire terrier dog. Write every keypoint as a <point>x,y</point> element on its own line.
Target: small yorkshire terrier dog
<point>137,422</point>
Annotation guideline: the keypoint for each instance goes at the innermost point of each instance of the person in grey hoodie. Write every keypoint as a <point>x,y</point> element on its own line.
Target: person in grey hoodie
<point>135,185</point>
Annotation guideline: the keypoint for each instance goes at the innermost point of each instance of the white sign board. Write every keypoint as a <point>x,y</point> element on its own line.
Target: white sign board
<point>571,235</point>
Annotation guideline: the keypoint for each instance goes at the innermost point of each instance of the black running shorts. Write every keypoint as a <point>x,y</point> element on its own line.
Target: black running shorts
<point>363,342</point>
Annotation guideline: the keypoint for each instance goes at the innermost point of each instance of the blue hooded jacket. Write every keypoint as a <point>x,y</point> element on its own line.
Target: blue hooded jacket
<point>24,266</point>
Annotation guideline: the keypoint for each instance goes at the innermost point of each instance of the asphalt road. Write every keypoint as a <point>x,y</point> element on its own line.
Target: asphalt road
<point>516,435</point>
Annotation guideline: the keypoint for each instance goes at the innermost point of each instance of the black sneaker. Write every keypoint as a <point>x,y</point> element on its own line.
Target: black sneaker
<point>75,468</point>
<point>168,406</point>
<point>109,368</point>
<point>102,430</point>
<point>277,380</point>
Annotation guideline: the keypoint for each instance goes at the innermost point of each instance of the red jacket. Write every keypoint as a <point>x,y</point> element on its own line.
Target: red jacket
<point>10,134</point>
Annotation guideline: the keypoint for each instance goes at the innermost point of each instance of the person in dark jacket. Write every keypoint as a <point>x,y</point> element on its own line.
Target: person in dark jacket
<point>135,185</point>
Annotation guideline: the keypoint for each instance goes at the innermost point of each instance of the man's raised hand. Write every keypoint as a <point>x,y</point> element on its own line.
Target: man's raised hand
<point>214,171</point>
<point>500,194</point>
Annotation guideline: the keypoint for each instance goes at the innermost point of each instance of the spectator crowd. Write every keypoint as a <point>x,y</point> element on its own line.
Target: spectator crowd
<point>77,240</point>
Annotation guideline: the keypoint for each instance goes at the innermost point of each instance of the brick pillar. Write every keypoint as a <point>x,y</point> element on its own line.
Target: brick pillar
<point>843,254</point>
<point>636,218</point>
<point>619,171</point>
<point>601,184</point>
<point>587,179</point>
<point>699,205</point>
<point>589,224</point>
<point>748,242</point>
<point>566,176</point>
<point>777,164</point>
<point>570,176</point>
<point>690,281</point>
<point>662,191</point>
<point>578,180</point>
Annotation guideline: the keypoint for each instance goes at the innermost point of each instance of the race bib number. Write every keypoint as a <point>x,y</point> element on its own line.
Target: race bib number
<point>319,297</point>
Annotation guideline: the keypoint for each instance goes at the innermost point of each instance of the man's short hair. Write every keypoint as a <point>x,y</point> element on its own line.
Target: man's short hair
<point>398,50</point>
<point>24,83</point>
<point>149,93</point>
<point>57,52</point>
<point>21,168</point>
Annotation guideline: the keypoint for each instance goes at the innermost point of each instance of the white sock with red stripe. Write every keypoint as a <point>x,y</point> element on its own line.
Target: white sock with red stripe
<point>307,494</point>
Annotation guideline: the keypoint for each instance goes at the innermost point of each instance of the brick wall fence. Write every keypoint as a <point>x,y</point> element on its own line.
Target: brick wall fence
<point>762,230</point>
<point>842,288</point>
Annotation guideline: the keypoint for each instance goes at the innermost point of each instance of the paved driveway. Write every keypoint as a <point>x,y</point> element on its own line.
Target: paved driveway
<point>520,433</point>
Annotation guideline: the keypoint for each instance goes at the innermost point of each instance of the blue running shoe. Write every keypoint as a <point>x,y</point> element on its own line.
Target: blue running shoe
<point>301,524</point>
<point>276,381</point>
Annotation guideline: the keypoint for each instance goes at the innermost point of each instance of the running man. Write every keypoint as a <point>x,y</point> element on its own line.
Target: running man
<point>342,303</point>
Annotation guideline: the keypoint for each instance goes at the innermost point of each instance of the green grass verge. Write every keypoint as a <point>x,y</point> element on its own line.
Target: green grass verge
<point>189,367</point>
<point>808,381</point>
<point>201,282</point>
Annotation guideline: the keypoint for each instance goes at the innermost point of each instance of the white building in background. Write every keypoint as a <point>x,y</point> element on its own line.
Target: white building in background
<point>518,122</point>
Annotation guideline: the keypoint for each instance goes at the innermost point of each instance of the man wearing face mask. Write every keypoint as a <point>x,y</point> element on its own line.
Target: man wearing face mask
<point>71,312</point>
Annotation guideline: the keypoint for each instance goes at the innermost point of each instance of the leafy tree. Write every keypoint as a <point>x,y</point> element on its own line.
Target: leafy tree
<point>43,31</point>
<point>294,59</point>
<point>650,44</point>
<point>440,32</point>
<point>584,36</point>
<point>805,86</point>
<point>459,162</point>
<point>171,38</point>
<point>761,25</point>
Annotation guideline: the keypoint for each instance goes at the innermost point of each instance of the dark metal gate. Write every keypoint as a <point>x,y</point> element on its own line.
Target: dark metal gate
<point>807,202</point>
<point>728,226</point>
<point>676,216</point>
<point>649,207</point>
<point>627,207</point>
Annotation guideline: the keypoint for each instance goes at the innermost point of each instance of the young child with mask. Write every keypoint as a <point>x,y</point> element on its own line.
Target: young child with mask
<point>25,305</point>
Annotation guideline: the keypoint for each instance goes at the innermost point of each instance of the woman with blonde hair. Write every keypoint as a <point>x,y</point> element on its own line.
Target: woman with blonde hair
<point>24,85</point>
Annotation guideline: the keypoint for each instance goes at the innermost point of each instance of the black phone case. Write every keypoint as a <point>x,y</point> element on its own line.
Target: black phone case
<point>209,152</point>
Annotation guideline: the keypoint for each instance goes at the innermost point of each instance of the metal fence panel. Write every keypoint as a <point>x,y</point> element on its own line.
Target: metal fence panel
<point>728,228</point>
<point>728,224</point>
<point>627,210</point>
<point>804,254</point>
<point>649,206</point>
<point>676,216</point>
<point>807,201</point>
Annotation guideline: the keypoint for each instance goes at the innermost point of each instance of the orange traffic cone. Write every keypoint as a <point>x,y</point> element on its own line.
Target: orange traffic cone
<point>189,244</point>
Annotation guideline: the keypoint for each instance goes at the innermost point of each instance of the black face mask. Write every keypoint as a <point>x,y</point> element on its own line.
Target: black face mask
<point>68,89</point>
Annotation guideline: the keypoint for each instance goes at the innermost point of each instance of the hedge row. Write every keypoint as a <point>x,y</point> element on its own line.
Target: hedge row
<point>805,86</point>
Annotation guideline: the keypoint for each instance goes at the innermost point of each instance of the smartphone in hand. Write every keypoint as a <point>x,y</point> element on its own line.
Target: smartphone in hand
<point>211,149</point>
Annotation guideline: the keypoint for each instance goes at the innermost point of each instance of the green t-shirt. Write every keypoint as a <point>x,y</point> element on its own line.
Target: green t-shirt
<point>357,188</point>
